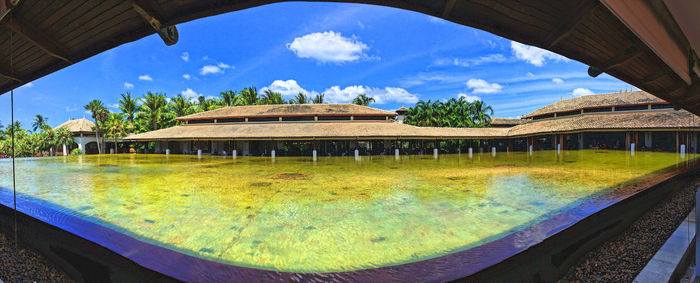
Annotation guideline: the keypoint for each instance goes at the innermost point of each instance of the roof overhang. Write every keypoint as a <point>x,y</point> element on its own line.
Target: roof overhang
<point>644,43</point>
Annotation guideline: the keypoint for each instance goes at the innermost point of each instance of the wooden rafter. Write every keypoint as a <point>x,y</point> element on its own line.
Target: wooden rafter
<point>570,22</point>
<point>38,38</point>
<point>448,8</point>
<point>5,72</point>
<point>621,59</point>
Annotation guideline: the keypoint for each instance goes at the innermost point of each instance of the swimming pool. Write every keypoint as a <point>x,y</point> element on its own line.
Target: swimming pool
<point>334,215</point>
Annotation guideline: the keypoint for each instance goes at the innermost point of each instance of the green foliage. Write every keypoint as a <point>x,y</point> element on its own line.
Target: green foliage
<point>318,99</point>
<point>300,98</point>
<point>363,100</point>
<point>458,113</point>
<point>76,151</point>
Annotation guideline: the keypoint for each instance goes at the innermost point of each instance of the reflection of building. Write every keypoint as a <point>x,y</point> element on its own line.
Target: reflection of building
<point>611,121</point>
<point>83,131</point>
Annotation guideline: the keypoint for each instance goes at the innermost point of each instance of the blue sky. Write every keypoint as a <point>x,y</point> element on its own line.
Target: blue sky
<point>394,55</point>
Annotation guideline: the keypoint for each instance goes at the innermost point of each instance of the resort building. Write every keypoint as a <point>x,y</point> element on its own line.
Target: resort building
<point>83,131</point>
<point>618,121</point>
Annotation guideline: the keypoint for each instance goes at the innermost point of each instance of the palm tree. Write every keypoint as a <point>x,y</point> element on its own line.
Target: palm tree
<point>116,127</point>
<point>249,96</point>
<point>481,117</point>
<point>271,97</point>
<point>319,98</point>
<point>128,106</point>
<point>153,105</point>
<point>38,122</point>
<point>181,106</point>
<point>229,97</point>
<point>300,98</point>
<point>363,100</point>
<point>99,114</point>
<point>63,137</point>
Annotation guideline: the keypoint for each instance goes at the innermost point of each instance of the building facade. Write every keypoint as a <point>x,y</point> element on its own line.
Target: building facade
<point>616,121</point>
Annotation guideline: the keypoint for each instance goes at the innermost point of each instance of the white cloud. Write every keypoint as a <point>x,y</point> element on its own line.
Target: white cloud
<point>581,92</point>
<point>113,105</point>
<point>534,55</point>
<point>145,78</point>
<point>384,95</point>
<point>328,46</point>
<point>467,62</point>
<point>286,88</point>
<point>482,86</point>
<point>470,98</point>
<point>185,56</point>
<point>557,81</point>
<point>186,76</point>
<point>223,65</point>
<point>71,109</point>
<point>190,94</point>
<point>128,85</point>
<point>28,85</point>
<point>210,69</point>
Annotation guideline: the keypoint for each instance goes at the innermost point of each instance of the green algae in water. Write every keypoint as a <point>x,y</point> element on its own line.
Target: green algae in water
<point>333,215</point>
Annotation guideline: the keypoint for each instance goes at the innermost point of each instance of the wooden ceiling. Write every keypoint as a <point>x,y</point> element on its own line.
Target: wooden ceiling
<point>41,37</point>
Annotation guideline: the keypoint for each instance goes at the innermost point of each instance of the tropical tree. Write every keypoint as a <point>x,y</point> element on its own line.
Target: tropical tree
<point>249,96</point>
<point>181,106</point>
<point>229,98</point>
<point>116,127</point>
<point>153,106</point>
<point>128,106</point>
<point>451,113</point>
<point>63,137</point>
<point>318,99</point>
<point>271,97</point>
<point>99,114</point>
<point>363,100</point>
<point>38,122</point>
<point>480,111</point>
<point>300,98</point>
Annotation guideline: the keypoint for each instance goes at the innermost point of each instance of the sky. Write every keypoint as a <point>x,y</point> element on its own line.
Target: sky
<point>396,56</point>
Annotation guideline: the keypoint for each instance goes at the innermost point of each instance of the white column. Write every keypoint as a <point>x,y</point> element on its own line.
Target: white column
<point>234,154</point>
<point>315,154</point>
<point>682,150</point>
<point>558,148</point>
<point>632,148</point>
<point>273,154</point>
<point>357,154</point>
<point>435,153</point>
<point>530,149</point>
<point>65,151</point>
<point>471,151</point>
<point>493,151</point>
<point>199,153</point>
<point>167,151</point>
<point>396,153</point>
<point>111,151</point>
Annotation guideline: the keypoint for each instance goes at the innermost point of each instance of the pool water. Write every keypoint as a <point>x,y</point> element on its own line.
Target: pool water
<point>337,214</point>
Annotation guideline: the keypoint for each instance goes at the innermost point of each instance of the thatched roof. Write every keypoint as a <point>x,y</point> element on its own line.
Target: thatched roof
<point>633,120</point>
<point>598,100</point>
<point>506,121</point>
<point>313,130</point>
<point>78,126</point>
<point>282,110</point>
<point>662,119</point>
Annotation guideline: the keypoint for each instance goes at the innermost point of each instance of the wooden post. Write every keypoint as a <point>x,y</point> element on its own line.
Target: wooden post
<point>678,142</point>
<point>627,140</point>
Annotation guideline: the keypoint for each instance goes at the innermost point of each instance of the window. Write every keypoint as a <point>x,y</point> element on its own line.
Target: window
<point>662,106</point>
<point>373,118</point>
<point>205,121</point>
<point>298,118</point>
<point>263,119</point>
<point>543,116</point>
<point>632,108</point>
<point>230,120</point>
<point>596,110</point>
<point>329,118</point>
<point>569,113</point>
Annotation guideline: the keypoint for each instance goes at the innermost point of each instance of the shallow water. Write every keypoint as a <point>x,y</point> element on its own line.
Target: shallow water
<point>332,215</point>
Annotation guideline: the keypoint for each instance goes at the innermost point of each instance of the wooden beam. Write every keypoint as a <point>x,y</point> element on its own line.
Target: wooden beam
<point>38,38</point>
<point>150,13</point>
<point>576,16</point>
<point>622,59</point>
<point>448,8</point>
<point>7,73</point>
